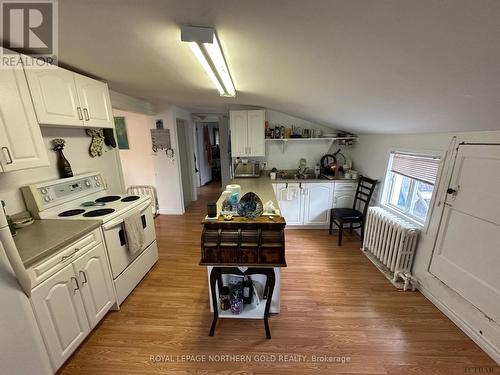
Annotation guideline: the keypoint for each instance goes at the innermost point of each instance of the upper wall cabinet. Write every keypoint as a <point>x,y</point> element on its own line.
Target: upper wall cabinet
<point>64,98</point>
<point>247,133</point>
<point>21,142</point>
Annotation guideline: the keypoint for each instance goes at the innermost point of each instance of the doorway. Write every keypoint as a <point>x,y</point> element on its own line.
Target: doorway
<point>184,160</point>
<point>209,152</point>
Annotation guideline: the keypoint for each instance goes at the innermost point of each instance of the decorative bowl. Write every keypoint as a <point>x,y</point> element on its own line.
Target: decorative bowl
<point>250,206</point>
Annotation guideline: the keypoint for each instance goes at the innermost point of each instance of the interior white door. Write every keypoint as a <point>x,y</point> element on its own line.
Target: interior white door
<point>96,286</point>
<point>95,102</point>
<point>54,96</point>
<point>238,121</point>
<point>290,199</point>
<point>60,314</point>
<point>466,255</point>
<point>318,202</point>
<point>21,141</point>
<point>256,133</point>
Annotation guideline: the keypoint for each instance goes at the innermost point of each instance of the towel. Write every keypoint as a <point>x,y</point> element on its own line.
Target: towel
<point>292,192</point>
<point>134,232</point>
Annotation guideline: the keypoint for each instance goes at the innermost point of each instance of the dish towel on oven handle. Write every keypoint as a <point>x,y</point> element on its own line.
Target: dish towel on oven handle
<point>134,232</point>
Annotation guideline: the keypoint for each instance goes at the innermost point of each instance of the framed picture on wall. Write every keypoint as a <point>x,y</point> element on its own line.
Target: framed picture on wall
<point>121,133</point>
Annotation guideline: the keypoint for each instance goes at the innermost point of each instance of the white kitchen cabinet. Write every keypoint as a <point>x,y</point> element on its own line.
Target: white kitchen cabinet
<point>290,198</point>
<point>238,121</point>
<point>247,133</point>
<point>64,98</point>
<point>70,303</point>
<point>21,142</point>
<point>318,202</point>
<point>55,97</point>
<point>95,101</point>
<point>256,133</point>
<point>95,283</point>
<point>60,313</point>
<point>344,194</point>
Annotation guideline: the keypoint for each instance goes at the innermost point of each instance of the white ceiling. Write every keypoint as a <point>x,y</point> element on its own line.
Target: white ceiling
<point>364,66</point>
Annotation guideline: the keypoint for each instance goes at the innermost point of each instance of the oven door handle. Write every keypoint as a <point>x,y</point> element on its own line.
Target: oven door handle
<point>114,223</point>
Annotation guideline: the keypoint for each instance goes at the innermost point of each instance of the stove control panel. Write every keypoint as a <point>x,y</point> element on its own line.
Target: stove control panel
<point>45,195</point>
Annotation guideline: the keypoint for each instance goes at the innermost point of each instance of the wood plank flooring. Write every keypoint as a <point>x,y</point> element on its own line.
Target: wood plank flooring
<point>335,303</point>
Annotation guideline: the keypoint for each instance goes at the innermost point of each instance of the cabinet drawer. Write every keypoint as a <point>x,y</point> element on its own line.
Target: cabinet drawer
<point>47,267</point>
<point>345,186</point>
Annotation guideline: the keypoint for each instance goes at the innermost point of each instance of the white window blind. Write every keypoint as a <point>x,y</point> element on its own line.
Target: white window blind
<point>422,168</point>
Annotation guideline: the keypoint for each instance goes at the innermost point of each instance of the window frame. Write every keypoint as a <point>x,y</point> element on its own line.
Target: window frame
<point>389,181</point>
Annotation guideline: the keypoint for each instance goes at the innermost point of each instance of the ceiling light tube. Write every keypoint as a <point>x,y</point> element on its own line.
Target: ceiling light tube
<point>206,47</point>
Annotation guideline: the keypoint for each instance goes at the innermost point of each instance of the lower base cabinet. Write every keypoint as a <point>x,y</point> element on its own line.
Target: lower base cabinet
<point>308,204</point>
<point>71,302</point>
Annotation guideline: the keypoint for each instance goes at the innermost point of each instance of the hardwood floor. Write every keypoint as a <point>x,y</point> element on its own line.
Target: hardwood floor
<point>334,303</point>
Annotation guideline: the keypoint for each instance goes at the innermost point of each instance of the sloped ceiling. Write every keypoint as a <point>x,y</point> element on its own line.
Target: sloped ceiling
<point>365,66</point>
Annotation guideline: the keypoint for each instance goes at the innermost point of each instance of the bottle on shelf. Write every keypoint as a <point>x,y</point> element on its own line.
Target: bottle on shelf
<point>247,290</point>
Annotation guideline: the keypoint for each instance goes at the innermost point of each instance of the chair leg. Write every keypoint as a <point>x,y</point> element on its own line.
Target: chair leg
<point>341,228</point>
<point>362,232</point>
<point>331,222</point>
<point>350,228</point>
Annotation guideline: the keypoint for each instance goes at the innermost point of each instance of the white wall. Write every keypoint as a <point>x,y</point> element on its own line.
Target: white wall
<point>137,162</point>
<point>370,156</point>
<point>311,150</point>
<point>76,151</point>
<point>168,170</point>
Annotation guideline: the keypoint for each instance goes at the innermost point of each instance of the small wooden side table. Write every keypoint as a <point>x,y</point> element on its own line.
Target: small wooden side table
<point>216,278</point>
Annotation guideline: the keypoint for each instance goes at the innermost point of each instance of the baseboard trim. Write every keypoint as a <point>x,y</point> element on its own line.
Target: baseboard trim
<point>463,325</point>
<point>170,211</point>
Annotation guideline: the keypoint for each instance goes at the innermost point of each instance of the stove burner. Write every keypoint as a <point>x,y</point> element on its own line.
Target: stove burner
<point>71,212</point>
<point>130,198</point>
<point>99,212</point>
<point>109,198</point>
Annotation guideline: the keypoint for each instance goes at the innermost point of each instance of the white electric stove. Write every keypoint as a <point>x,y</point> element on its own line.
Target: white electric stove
<point>85,197</point>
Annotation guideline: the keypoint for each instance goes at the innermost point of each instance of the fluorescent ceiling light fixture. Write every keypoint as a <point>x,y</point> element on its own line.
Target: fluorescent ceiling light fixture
<point>206,47</point>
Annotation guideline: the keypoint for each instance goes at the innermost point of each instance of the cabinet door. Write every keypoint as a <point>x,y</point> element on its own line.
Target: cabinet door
<point>343,199</point>
<point>256,133</point>
<point>59,310</point>
<point>21,141</point>
<point>238,122</point>
<point>54,96</point>
<point>95,102</point>
<point>95,280</point>
<point>290,198</point>
<point>318,202</point>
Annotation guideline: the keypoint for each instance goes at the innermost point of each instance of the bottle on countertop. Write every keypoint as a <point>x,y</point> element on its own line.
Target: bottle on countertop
<point>247,290</point>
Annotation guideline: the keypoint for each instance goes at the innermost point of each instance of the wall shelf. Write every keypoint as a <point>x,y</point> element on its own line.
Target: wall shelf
<point>331,140</point>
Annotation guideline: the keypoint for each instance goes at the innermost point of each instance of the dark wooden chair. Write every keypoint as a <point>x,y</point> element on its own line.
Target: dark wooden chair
<point>357,214</point>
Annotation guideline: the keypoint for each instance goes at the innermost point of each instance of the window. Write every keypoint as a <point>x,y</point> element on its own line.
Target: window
<point>409,185</point>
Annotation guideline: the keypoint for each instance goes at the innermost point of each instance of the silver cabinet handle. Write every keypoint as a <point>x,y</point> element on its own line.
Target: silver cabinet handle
<point>79,110</point>
<point>86,113</point>
<point>76,286</point>
<point>66,257</point>
<point>10,161</point>
<point>82,273</point>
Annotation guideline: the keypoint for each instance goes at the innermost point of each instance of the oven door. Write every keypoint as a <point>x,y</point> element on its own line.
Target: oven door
<point>114,235</point>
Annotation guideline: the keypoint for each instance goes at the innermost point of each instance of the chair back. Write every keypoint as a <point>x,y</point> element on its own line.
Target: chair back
<point>364,192</point>
<point>146,190</point>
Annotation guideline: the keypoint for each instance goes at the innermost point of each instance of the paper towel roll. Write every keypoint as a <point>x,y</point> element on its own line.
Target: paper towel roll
<point>234,188</point>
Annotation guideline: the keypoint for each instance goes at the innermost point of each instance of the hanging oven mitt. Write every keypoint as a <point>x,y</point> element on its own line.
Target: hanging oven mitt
<point>95,148</point>
<point>109,138</point>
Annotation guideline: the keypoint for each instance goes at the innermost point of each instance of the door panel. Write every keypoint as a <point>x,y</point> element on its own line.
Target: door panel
<point>54,96</point>
<point>256,133</point>
<point>60,313</point>
<point>291,203</point>
<point>466,255</point>
<point>21,141</point>
<point>95,102</point>
<point>319,198</point>
<point>239,133</point>
<point>95,280</point>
